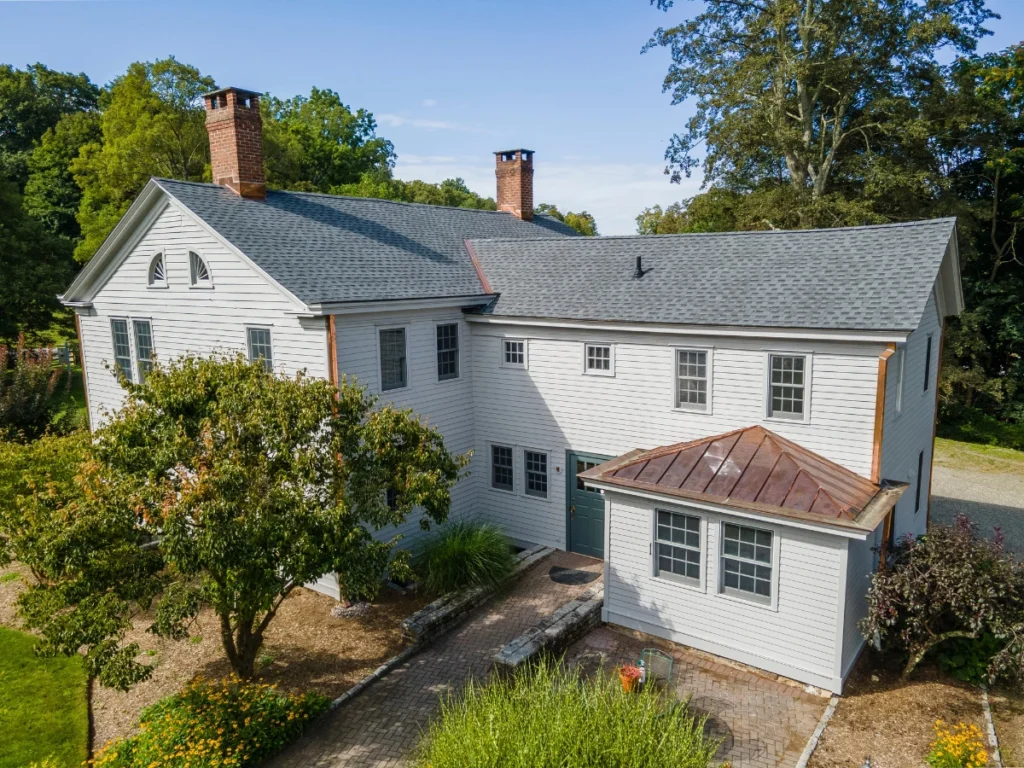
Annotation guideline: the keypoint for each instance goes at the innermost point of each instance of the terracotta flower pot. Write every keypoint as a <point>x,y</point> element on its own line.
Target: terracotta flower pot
<point>630,678</point>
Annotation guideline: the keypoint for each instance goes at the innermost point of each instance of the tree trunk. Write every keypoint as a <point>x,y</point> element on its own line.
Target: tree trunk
<point>918,653</point>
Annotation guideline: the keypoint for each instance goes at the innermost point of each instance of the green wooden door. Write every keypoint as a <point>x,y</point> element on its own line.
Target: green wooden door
<point>584,508</point>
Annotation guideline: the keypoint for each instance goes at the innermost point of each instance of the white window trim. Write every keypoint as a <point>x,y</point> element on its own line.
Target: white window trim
<point>515,470</point>
<point>273,346</point>
<point>199,286</point>
<point>767,388</point>
<point>701,584</point>
<point>150,281</point>
<point>739,597</point>
<point>610,373</point>
<point>135,346</point>
<point>547,455</point>
<point>901,376</point>
<point>526,353</point>
<point>458,352</point>
<point>131,346</point>
<point>706,409</point>
<point>408,368</point>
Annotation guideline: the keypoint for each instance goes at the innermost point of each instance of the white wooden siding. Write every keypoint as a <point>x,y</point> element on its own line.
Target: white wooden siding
<point>553,406</point>
<point>798,639</point>
<point>192,320</point>
<point>443,404</point>
<point>860,564</point>
<point>908,432</point>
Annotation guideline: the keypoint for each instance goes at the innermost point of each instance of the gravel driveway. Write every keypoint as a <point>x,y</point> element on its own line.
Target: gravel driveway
<point>990,498</point>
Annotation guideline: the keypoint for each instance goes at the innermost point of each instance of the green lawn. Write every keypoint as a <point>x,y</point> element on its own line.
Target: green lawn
<point>978,457</point>
<point>43,709</point>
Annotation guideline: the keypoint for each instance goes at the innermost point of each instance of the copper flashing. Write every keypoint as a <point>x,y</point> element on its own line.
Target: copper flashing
<point>484,282</point>
<point>883,378</point>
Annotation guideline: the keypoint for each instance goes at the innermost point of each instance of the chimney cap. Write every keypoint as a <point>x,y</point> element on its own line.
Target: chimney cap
<point>240,91</point>
<point>513,151</point>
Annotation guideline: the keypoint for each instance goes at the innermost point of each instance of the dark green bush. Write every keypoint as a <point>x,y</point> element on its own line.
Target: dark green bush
<point>967,658</point>
<point>467,554</point>
<point>226,723</point>
<point>972,425</point>
<point>553,717</point>
<point>33,392</point>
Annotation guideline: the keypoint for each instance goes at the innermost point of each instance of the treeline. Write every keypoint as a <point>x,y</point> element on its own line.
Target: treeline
<point>74,155</point>
<point>841,113</point>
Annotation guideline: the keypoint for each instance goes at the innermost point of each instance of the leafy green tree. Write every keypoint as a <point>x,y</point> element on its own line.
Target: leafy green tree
<point>582,222</point>
<point>816,96</point>
<point>153,124</point>
<point>32,101</point>
<point>51,194</point>
<point>315,143</point>
<point>254,485</point>
<point>382,185</point>
<point>35,264</point>
<point>32,393</point>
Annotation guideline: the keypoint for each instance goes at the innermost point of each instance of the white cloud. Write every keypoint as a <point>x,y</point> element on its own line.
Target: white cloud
<point>614,193</point>
<point>398,121</point>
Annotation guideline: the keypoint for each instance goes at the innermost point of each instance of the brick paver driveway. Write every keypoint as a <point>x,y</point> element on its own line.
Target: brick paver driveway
<point>762,723</point>
<point>381,726</point>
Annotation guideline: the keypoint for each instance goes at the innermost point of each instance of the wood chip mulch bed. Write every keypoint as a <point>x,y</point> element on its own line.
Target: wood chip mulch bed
<point>306,649</point>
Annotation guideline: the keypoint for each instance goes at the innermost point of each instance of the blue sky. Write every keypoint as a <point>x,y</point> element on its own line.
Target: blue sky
<point>449,82</point>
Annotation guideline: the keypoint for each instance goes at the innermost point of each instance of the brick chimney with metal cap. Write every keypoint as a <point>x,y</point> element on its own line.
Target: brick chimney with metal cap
<point>514,171</point>
<point>236,141</point>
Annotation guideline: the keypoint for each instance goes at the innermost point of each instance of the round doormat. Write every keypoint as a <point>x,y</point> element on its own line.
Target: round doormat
<point>571,576</point>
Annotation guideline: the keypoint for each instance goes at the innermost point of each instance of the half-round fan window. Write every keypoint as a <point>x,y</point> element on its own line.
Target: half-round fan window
<point>200,272</point>
<point>157,275</point>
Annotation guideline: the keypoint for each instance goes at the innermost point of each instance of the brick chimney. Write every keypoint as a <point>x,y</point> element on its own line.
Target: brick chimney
<point>514,171</point>
<point>236,141</point>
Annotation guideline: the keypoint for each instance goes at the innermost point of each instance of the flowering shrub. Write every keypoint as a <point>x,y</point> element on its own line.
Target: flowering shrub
<point>957,747</point>
<point>630,672</point>
<point>224,723</point>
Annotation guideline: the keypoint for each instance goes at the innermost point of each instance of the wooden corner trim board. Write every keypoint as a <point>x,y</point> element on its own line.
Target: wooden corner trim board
<point>85,380</point>
<point>935,425</point>
<point>876,448</point>
<point>332,351</point>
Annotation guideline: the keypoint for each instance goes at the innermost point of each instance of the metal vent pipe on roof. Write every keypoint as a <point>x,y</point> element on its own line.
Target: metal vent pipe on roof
<point>639,272</point>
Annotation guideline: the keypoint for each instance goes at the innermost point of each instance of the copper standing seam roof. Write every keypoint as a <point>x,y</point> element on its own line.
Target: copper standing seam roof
<point>756,469</point>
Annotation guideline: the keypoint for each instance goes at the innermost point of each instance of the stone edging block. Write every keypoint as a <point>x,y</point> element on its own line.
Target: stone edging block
<point>556,632</point>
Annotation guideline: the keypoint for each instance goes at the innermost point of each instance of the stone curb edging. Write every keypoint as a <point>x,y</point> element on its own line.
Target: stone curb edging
<point>436,618</point>
<point>812,743</point>
<point>990,728</point>
<point>556,632</point>
<point>454,607</point>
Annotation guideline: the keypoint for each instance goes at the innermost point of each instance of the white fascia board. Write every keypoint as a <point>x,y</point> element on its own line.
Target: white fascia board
<point>398,305</point>
<point>300,306</point>
<point>136,220</point>
<point>897,337</point>
<point>788,522</point>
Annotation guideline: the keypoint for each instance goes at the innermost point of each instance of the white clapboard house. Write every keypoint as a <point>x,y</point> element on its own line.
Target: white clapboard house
<point>752,413</point>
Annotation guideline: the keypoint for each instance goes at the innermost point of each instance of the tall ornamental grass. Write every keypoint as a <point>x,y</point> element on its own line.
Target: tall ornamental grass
<point>465,555</point>
<point>553,717</point>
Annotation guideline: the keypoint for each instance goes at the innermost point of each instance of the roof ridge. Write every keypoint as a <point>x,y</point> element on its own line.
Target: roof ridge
<point>739,233</point>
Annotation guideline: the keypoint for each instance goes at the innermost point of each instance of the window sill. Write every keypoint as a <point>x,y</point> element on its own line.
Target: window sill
<point>695,411</point>
<point>537,497</point>
<point>506,491</point>
<point>386,392</point>
<point>157,286</point>
<point>783,420</point>
<point>689,584</point>
<point>600,374</point>
<point>200,287</point>
<point>754,602</point>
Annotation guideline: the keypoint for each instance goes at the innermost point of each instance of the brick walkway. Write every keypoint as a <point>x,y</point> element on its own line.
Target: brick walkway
<point>382,725</point>
<point>762,723</point>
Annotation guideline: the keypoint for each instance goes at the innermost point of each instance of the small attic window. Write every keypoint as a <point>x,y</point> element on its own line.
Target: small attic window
<point>157,275</point>
<point>198,271</point>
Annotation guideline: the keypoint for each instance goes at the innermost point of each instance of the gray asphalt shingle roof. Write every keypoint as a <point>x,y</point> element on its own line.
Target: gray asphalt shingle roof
<point>857,278</point>
<point>325,248</point>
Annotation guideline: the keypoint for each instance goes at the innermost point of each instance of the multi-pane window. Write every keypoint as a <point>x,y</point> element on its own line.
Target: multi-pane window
<point>501,468</point>
<point>787,386</point>
<point>122,347</point>
<point>583,466</point>
<point>692,379</point>
<point>678,542</point>
<point>536,466</point>
<point>260,348</point>
<point>747,561</point>
<point>393,369</point>
<point>599,359</point>
<point>448,351</point>
<point>514,353</point>
<point>143,346</point>
<point>198,271</point>
<point>927,362</point>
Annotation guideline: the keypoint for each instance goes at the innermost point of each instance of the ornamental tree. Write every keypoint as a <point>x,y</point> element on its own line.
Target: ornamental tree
<point>948,584</point>
<point>252,484</point>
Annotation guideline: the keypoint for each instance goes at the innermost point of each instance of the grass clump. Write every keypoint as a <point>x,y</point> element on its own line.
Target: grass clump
<point>227,723</point>
<point>467,554</point>
<point>550,716</point>
<point>43,707</point>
